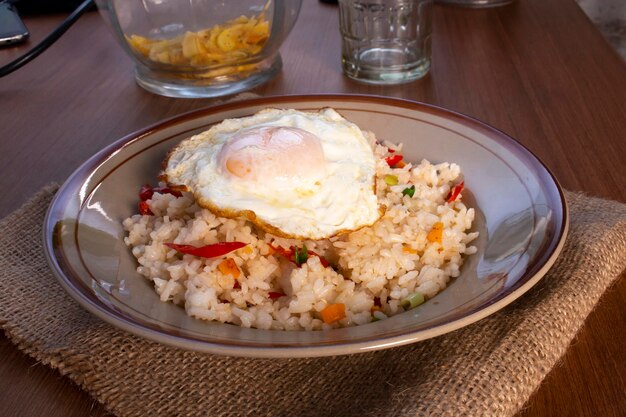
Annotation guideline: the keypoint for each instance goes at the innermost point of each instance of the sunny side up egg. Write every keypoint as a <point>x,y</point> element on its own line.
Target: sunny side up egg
<point>306,175</point>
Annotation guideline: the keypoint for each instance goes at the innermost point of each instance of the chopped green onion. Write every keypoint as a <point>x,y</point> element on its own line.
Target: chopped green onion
<point>300,256</point>
<point>391,179</point>
<point>412,301</point>
<point>410,191</point>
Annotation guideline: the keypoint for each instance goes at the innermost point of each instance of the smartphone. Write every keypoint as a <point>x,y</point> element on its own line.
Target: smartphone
<point>12,29</point>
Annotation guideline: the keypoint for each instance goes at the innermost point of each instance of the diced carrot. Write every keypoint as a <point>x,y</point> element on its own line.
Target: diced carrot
<point>409,249</point>
<point>247,249</point>
<point>400,164</point>
<point>228,266</point>
<point>436,233</point>
<point>333,313</point>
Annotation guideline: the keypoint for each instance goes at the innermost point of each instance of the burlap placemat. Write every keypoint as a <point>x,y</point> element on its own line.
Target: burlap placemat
<point>489,368</point>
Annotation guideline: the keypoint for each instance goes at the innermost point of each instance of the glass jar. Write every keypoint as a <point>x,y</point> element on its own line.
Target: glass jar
<point>201,48</point>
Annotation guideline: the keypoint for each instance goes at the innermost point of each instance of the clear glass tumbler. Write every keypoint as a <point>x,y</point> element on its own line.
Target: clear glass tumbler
<point>201,48</point>
<point>385,41</point>
<point>476,3</point>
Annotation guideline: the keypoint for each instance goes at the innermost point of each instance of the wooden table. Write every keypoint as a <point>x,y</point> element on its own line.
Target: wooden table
<point>538,70</point>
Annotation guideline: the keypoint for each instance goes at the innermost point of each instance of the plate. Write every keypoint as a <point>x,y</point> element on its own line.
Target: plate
<point>521,216</point>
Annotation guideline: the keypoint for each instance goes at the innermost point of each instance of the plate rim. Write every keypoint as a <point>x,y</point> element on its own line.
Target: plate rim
<point>524,284</point>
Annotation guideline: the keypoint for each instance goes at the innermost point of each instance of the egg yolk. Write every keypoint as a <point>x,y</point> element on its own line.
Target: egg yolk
<point>273,154</point>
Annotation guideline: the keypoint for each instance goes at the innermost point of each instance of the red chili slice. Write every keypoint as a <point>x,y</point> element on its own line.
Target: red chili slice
<point>290,254</point>
<point>275,295</point>
<point>208,251</point>
<point>393,160</point>
<point>455,191</point>
<point>287,253</point>
<point>323,260</point>
<point>144,209</point>
<point>147,191</point>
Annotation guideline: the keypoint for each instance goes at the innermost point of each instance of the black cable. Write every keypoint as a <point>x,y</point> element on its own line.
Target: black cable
<point>48,41</point>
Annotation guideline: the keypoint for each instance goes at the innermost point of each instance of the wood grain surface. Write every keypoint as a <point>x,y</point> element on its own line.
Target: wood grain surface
<point>537,69</point>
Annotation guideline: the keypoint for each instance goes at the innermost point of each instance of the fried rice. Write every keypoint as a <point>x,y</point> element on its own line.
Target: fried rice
<point>404,259</point>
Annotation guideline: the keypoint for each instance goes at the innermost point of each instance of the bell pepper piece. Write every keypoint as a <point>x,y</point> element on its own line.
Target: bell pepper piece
<point>274,295</point>
<point>391,180</point>
<point>144,209</point>
<point>455,191</point>
<point>393,160</point>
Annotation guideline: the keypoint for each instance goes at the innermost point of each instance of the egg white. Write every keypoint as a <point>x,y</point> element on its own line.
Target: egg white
<point>338,196</point>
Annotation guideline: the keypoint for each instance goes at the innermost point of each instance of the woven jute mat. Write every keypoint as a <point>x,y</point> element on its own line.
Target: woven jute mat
<point>488,368</point>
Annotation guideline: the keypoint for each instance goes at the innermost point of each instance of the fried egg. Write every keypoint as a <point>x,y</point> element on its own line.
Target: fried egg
<point>306,175</point>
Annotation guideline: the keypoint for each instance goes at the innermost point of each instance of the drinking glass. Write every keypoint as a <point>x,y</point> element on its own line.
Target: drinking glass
<point>385,41</point>
<point>476,3</point>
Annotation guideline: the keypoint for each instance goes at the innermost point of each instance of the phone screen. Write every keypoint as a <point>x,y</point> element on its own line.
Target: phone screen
<point>12,29</point>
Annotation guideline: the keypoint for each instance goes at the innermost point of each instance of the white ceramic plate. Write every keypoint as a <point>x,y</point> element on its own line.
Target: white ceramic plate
<point>521,217</point>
